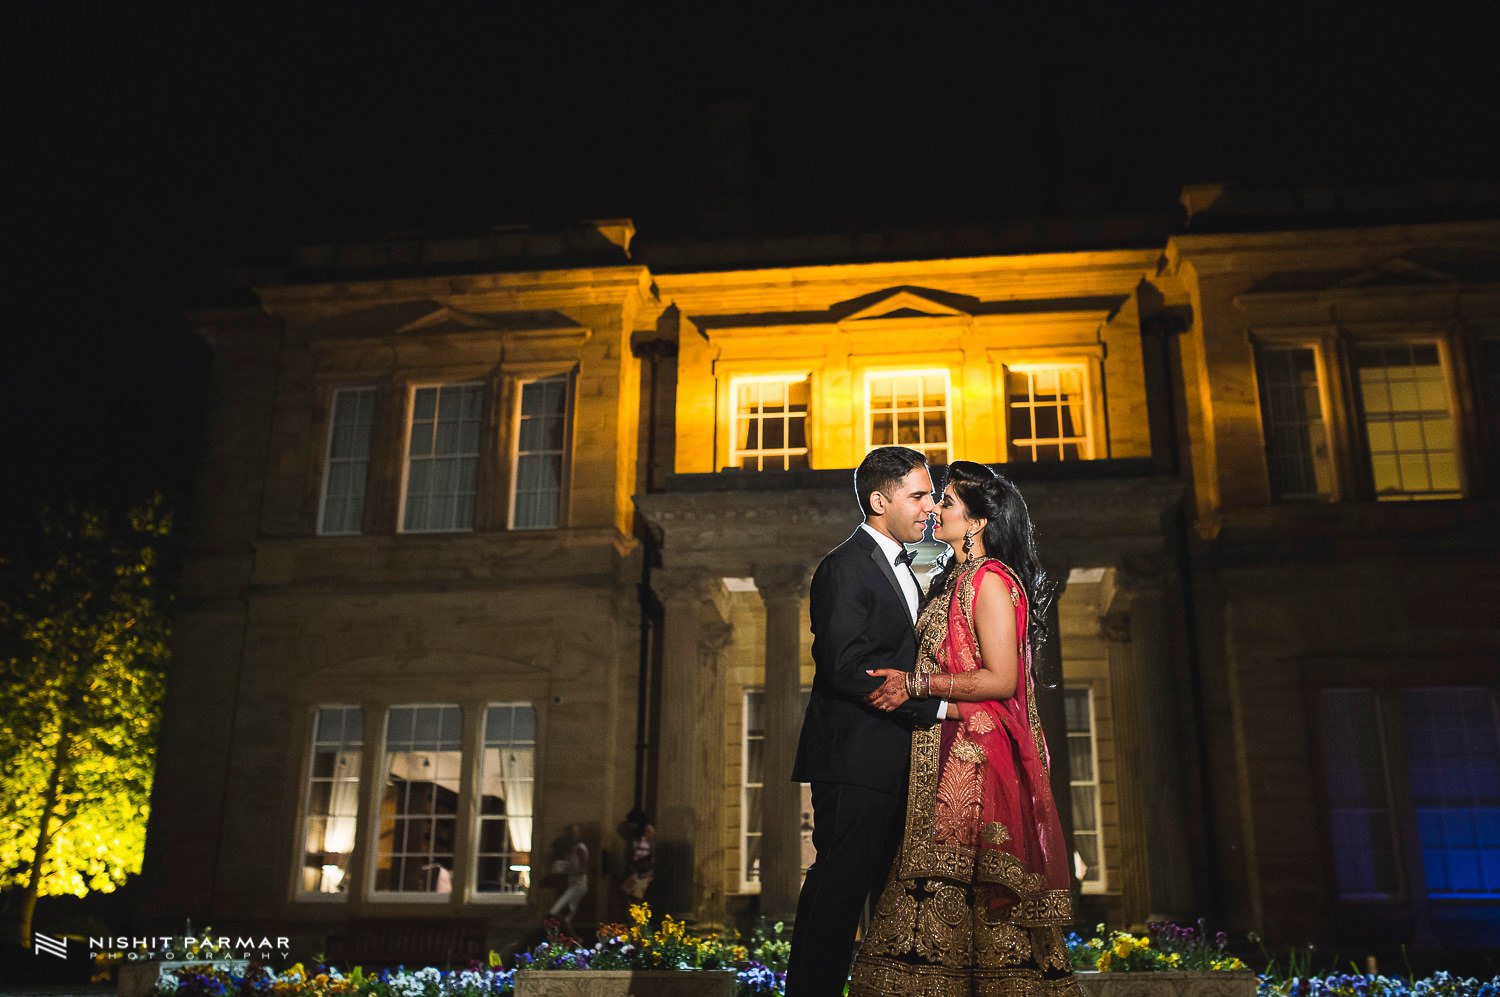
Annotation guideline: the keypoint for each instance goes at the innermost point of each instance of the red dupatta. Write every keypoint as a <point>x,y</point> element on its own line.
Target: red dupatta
<point>1021,845</point>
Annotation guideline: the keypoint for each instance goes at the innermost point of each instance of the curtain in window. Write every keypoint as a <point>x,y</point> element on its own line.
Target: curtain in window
<point>518,779</point>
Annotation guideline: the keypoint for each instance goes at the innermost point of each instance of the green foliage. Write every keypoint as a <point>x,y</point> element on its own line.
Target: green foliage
<point>83,643</point>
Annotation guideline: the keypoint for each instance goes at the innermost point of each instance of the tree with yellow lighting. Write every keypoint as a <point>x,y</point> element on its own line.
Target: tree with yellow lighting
<point>83,629</point>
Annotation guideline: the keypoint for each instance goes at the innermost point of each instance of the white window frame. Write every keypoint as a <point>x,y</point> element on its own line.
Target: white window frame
<point>566,478</point>
<point>868,416</point>
<point>475,895</point>
<point>1030,369</point>
<point>329,460</point>
<point>747,885</point>
<point>304,814</point>
<point>1439,343</point>
<point>1327,410</point>
<point>373,824</point>
<point>1102,884</point>
<point>735,453</point>
<point>411,398</point>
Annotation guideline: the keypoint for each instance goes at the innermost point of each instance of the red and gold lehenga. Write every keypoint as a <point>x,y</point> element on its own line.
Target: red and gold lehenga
<point>979,893</point>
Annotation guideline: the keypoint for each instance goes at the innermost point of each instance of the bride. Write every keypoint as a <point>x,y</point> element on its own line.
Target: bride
<point>980,887</point>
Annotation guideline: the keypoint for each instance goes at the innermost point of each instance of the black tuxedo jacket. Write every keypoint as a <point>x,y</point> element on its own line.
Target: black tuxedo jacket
<point>859,621</point>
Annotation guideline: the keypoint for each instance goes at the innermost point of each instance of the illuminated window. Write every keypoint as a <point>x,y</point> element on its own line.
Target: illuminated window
<point>752,783</point>
<point>910,409</point>
<point>419,802</point>
<point>770,423</point>
<point>1365,864</point>
<point>541,453</point>
<point>1049,412</point>
<point>1403,395</point>
<point>1453,754</point>
<point>1297,450</point>
<point>442,457</point>
<point>1083,775</point>
<point>507,786</point>
<point>348,461</point>
<point>331,805</point>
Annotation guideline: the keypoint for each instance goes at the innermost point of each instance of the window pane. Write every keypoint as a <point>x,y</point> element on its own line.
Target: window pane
<point>331,802</point>
<point>1083,775</point>
<point>752,786</point>
<point>541,443</point>
<point>1297,451</point>
<point>419,804</point>
<point>1454,753</point>
<point>1408,428</point>
<point>347,462</point>
<point>770,424</point>
<point>1046,412</point>
<point>910,410</point>
<point>442,457</point>
<point>1354,780</point>
<point>507,785</point>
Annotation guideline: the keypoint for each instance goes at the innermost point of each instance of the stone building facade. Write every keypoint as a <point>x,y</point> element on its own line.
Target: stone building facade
<point>501,535</point>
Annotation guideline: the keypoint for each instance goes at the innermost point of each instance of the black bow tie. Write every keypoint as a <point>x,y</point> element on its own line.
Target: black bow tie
<point>906,557</point>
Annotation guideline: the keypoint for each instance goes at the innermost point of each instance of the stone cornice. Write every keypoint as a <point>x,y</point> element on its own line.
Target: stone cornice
<point>816,288</point>
<point>525,288</point>
<point>1220,253</point>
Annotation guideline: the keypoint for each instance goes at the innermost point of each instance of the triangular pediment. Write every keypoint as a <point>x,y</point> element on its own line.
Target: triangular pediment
<point>1396,272</point>
<point>446,319</point>
<point>903,302</point>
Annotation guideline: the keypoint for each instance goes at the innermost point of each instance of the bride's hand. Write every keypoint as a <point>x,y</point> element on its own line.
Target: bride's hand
<point>892,692</point>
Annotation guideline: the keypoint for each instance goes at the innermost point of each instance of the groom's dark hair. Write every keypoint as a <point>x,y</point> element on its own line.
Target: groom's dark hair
<point>881,470</point>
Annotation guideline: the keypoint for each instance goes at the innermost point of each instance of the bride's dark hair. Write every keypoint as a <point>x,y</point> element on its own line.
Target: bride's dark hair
<point>1009,536</point>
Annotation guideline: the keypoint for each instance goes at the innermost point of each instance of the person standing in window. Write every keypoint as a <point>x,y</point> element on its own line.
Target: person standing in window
<point>982,853</point>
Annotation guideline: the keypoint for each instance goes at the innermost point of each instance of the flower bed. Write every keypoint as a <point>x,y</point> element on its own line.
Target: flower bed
<point>1441,984</point>
<point>642,958</point>
<point>667,960</point>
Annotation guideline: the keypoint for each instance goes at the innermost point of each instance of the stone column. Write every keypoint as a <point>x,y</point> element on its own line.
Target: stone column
<point>1114,627</point>
<point>1166,816</point>
<point>1052,711</point>
<point>682,595</point>
<point>708,775</point>
<point>781,590</point>
<point>1153,829</point>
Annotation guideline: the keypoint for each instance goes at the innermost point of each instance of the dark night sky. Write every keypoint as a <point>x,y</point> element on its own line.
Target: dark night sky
<point>150,151</point>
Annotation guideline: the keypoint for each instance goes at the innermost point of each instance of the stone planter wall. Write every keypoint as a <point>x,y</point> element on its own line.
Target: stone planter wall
<point>624,983</point>
<point>138,978</point>
<point>1176,983</point>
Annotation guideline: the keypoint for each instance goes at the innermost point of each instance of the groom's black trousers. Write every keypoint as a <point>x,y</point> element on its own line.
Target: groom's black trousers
<point>856,831</point>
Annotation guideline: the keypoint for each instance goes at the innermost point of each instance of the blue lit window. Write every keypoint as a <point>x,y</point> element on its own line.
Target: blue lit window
<point>1453,752</point>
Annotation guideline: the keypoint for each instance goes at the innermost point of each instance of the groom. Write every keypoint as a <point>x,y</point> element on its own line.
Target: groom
<point>864,608</point>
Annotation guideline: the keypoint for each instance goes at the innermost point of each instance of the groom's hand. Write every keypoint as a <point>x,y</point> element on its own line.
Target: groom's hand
<point>892,691</point>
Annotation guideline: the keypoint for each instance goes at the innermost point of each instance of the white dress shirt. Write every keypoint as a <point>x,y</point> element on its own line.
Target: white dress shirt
<point>908,579</point>
<point>892,549</point>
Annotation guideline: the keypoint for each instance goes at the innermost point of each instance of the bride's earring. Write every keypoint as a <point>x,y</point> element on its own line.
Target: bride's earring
<point>968,542</point>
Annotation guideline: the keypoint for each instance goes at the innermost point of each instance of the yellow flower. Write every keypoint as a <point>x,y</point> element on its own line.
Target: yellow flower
<point>494,959</point>
<point>1104,960</point>
<point>1174,959</point>
<point>739,953</point>
<point>1122,946</point>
